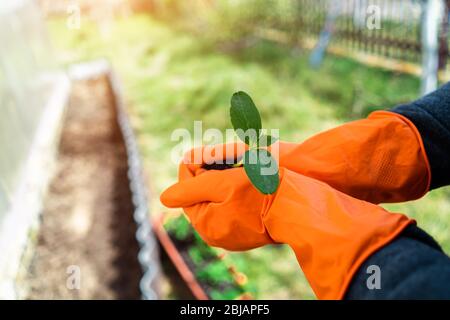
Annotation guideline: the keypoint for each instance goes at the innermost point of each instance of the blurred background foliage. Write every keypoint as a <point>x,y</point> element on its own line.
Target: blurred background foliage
<point>180,61</point>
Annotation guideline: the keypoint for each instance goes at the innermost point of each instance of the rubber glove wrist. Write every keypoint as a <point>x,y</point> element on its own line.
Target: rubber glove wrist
<point>331,233</point>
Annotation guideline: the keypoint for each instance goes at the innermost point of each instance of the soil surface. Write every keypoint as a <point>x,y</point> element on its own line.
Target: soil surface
<point>217,166</point>
<point>87,222</point>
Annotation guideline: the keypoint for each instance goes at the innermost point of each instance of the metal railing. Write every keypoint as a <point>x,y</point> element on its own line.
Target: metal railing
<point>388,28</point>
<point>403,35</point>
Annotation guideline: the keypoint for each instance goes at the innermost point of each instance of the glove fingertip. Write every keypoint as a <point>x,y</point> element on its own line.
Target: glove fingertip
<point>170,198</point>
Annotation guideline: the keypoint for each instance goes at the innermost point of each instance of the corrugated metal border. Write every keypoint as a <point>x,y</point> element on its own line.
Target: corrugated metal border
<point>148,256</point>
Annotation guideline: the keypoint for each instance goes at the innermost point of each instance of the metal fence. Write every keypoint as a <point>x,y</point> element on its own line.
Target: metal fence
<point>387,28</point>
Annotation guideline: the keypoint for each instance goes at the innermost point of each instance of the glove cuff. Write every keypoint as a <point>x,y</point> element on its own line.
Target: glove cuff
<point>422,155</point>
<point>331,233</point>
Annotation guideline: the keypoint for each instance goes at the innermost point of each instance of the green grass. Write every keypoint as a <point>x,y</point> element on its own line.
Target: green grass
<point>172,78</point>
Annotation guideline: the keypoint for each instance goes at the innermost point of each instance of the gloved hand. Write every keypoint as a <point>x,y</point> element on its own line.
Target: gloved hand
<point>331,233</point>
<point>223,206</point>
<point>379,159</point>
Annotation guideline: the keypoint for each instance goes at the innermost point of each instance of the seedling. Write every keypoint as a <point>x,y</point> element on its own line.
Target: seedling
<point>211,271</point>
<point>259,165</point>
<point>214,273</point>
<point>180,228</point>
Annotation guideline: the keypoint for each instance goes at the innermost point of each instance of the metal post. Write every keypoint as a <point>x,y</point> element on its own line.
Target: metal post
<point>317,55</point>
<point>443,37</point>
<point>431,17</point>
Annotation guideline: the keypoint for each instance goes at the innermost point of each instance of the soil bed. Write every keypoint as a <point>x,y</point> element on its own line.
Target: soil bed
<point>87,219</point>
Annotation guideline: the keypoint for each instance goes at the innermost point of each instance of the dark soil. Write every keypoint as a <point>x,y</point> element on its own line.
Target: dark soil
<point>217,166</point>
<point>179,288</point>
<point>87,218</point>
<point>229,164</point>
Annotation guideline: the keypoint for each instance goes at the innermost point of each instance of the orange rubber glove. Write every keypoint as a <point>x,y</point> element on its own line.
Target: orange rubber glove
<point>330,232</point>
<point>379,159</point>
<point>223,206</point>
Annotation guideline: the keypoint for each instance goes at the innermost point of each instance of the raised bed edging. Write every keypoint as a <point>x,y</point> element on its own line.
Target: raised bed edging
<point>183,268</point>
<point>178,260</point>
<point>148,254</point>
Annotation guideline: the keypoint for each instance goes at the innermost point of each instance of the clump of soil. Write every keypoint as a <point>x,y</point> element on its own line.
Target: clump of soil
<point>223,166</point>
<point>217,166</point>
<point>87,221</point>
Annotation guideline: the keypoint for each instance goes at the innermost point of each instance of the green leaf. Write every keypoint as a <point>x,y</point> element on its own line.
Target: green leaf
<point>245,117</point>
<point>262,170</point>
<point>266,140</point>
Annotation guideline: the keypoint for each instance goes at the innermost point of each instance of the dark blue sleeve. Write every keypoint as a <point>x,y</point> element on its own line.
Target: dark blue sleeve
<point>410,267</point>
<point>431,115</point>
<point>413,266</point>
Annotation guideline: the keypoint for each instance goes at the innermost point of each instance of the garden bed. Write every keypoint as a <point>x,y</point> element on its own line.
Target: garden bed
<point>201,267</point>
<point>87,220</point>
